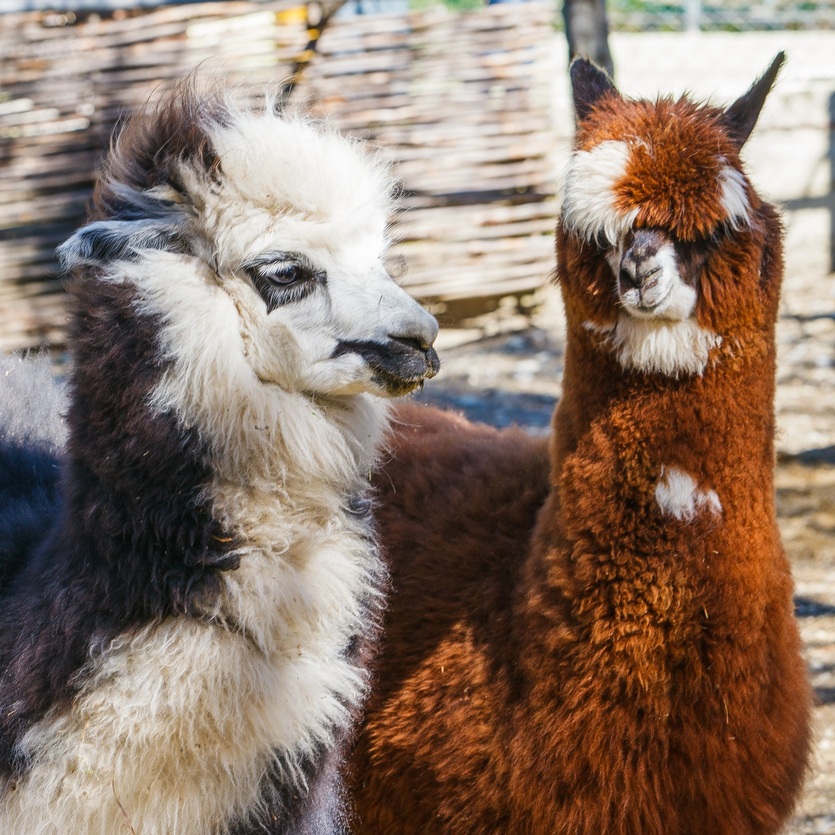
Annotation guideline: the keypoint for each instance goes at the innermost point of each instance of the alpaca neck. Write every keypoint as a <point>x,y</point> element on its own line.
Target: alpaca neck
<point>174,441</point>
<point>661,508</point>
<point>719,422</point>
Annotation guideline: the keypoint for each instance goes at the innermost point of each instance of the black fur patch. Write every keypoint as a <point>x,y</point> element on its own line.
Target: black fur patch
<point>133,543</point>
<point>105,242</point>
<point>150,148</point>
<point>284,277</point>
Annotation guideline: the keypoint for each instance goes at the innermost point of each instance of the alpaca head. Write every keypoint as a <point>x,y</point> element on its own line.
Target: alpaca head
<point>264,235</point>
<point>661,233</point>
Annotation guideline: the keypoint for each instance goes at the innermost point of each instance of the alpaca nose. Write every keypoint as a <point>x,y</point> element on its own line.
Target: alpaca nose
<point>636,273</point>
<point>422,346</point>
<point>639,264</point>
<point>419,332</point>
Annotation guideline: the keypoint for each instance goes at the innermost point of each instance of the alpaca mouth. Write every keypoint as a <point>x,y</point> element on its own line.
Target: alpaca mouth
<point>399,365</point>
<point>396,386</point>
<point>647,308</point>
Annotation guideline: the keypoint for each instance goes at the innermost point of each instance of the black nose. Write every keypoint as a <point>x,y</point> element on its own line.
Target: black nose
<point>638,273</point>
<point>411,342</point>
<point>433,363</point>
<point>629,276</point>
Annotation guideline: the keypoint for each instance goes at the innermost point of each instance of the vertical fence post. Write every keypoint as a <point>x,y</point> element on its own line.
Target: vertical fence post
<point>693,15</point>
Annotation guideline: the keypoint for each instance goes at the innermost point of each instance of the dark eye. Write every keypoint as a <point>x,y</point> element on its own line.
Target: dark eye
<point>283,273</point>
<point>282,278</point>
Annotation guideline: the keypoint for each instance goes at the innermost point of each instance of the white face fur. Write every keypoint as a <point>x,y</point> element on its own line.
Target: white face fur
<point>656,289</point>
<point>292,231</point>
<point>302,221</point>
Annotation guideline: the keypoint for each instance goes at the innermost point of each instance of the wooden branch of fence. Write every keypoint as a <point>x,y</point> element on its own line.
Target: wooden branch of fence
<point>460,103</point>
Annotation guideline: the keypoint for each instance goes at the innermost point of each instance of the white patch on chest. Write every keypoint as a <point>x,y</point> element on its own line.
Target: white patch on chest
<point>589,203</point>
<point>659,346</point>
<point>678,495</point>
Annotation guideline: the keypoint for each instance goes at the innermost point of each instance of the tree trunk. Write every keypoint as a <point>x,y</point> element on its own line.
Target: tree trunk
<point>319,15</point>
<point>587,31</point>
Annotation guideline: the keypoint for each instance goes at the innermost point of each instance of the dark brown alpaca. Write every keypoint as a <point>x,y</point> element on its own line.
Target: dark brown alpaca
<point>611,650</point>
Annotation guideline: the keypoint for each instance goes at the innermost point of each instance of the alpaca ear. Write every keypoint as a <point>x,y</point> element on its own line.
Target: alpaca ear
<point>739,119</point>
<point>589,84</point>
<point>105,241</point>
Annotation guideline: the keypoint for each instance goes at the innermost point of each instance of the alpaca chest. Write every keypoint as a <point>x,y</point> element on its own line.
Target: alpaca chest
<point>180,722</point>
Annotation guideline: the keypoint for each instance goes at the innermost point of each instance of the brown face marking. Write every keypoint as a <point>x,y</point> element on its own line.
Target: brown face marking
<point>692,258</point>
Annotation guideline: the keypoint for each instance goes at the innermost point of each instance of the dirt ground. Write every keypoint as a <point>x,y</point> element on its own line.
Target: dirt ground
<point>507,368</point>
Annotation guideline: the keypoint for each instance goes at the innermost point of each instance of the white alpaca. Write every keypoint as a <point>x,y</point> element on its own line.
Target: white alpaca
<point>183,648</point>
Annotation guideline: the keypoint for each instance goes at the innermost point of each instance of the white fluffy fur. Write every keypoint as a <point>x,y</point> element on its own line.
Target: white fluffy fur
<point>678,495</point>
<point>589,199</point>
<point>735,201</point>
<point>659,346</point>
<point>33,402</point>
<point>177,725</point>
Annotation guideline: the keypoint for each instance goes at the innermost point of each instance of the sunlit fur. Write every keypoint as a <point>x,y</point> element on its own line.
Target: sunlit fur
<point>186,651</point>
<point>611,189</point>
<point>589,198</point>
<point>599,638</point>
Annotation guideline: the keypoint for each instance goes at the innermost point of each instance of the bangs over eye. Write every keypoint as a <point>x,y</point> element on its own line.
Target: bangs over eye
<point>591,205</point>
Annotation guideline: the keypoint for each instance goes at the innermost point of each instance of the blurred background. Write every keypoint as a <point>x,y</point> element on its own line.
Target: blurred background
<point>471,102</point>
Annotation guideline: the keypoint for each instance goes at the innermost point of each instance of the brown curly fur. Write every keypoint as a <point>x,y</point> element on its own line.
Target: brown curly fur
<point>590,666</point>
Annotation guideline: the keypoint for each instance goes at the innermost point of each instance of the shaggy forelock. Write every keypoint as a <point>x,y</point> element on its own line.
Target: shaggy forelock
<point>667,164</point>
<point>196,159</point>
<point>287,165</point>
<point>140,175</point>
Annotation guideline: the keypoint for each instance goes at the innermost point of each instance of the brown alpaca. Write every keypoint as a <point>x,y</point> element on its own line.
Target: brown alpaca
<point>610,650</point>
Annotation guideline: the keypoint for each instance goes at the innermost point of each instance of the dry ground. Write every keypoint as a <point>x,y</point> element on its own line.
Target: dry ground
<point>507,368</point>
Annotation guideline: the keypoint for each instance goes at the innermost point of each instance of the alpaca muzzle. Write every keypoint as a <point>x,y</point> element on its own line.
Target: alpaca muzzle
<point>399,365</point>
<point>649,283</point>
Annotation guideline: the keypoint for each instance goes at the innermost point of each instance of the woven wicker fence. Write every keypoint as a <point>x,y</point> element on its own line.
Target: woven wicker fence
<point>461,102</point>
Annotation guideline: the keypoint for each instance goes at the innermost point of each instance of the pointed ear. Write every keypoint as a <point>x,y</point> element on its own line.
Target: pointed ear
<point>739,119</point>
<point>589,84</point>
<point>103,242</point>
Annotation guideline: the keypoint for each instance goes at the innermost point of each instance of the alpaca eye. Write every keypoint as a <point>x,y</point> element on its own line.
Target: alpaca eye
<point>283,273</point>
<point>283,278</point>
